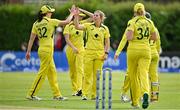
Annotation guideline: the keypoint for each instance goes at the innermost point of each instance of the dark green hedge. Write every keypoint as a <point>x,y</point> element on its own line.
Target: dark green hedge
<point>16,21</point>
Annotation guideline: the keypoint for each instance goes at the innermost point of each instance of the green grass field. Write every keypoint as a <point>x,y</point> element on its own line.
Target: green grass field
<point>14,86</point>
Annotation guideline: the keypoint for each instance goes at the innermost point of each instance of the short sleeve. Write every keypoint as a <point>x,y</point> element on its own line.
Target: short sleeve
<point>107,34</point>
<point>34,29</point>
<point>130,25</point>
<point>83,21</point>
<point>86,25</point>
<point>153,28</point>
<point>55,22</point>
<point>158,42</point>
<point>66,30</point>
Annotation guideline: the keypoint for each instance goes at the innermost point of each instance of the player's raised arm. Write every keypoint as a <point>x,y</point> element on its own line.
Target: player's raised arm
<point>86,12</point>
<point>69,18</point>
<point>77,24</point>
<point>90,19</point>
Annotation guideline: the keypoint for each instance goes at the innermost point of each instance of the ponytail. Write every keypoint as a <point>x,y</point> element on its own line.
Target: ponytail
<point>140,12</point>
<point>40,16</point>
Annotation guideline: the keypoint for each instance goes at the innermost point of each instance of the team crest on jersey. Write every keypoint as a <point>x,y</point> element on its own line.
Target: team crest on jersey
<point>96,35</point>
<point>77,32</point>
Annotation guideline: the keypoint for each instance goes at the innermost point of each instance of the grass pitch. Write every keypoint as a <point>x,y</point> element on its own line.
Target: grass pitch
<point>14,86</point>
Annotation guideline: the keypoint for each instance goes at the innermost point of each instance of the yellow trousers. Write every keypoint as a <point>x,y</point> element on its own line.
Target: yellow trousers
<point>126,84</point>
<point>47,68</point>
<point>153,73</point>
<point>76,68</point>
<point>92,63</point>
<point>138,62</point>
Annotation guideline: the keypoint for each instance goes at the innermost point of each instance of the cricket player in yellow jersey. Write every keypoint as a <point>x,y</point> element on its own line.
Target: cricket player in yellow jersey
<point>96,51</point>
<point>126,85</point>
<point>153,69</point>
<point>139,31</point>
<point>44,28</point>
<point>74,53</point>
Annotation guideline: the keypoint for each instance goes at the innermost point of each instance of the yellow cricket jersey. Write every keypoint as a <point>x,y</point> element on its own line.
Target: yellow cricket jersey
<point>95,36</point>
<point>45,30</point>
<point>76,36</point>
<point>142,27</point>
<point>122,43</point>
<point>155,45</point>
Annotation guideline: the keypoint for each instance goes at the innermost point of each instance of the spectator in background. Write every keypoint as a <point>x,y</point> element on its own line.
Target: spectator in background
<point>59,41</point>
<point>24,46</point>
<point>115,45</point>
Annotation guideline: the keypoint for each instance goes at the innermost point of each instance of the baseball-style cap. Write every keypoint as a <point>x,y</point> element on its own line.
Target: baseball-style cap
<point>46,9</point>
<point>138,6</point>
<point>82,15</point>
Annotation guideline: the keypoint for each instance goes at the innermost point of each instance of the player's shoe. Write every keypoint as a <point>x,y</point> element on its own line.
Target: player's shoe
<point>60,98</point>
<point>145,103</point>
<point>125,98</point>
<point>135,106</point>
<point>84,98</point>
<point>79,93</point>
<point>33,98</point>
<point>154,99</point>
<point>74,94</point>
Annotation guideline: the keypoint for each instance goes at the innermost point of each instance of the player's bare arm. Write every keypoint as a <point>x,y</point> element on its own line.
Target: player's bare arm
<point>77,24</point>
<point>153,36</point>
<point>75,50</point>
<point>86,12</point>
<point>107,44</point>
<point>69,18</point>
<point>90,19</point>
<point>129,35</point>
<point>31,41</point>
<point>106,49</point>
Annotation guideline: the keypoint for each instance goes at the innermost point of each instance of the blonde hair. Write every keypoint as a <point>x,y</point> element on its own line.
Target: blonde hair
<point>102,15</point>
<point>140,12</point>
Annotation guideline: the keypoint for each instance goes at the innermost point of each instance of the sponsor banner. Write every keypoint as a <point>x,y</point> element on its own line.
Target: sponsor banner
<point>169,62</point>
<point>119,64</point>
<point>15,61</point>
